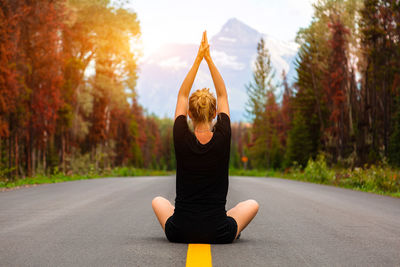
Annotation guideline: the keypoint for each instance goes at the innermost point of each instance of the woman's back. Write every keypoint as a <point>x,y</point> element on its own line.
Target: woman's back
<point>202,169</point>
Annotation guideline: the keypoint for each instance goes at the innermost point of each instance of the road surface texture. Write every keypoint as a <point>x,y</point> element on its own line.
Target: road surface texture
<point>110,222</point>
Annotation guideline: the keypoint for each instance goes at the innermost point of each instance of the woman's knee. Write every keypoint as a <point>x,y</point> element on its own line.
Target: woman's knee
<point>253,204</point>
<point>156,201</point>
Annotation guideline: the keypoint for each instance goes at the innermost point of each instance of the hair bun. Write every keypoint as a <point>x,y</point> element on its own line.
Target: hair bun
<point>203,101</point>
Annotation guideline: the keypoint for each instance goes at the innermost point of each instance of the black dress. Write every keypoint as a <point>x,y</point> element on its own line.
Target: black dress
<point>201,186</point>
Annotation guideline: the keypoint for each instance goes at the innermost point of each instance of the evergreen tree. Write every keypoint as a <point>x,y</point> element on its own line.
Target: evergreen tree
<point>299,144</point>
<point>307,103</point>
<point>262,82</point>
<point>286,110</point>
<point>261,100</point>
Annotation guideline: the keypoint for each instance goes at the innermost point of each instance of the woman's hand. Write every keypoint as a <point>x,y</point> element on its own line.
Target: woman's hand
<point>204,47</point>
<point>207,55</point>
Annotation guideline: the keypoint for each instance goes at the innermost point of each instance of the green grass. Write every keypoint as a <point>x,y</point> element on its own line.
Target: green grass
<point>254,172</point>
<point>60,177</point>
<point>379,179</point>
<point>349,184</point>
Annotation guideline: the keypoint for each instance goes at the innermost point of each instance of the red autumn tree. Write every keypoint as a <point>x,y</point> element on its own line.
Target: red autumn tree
<point>11,14</point>
<point>335,89</point>
<point>286,111</point>
<point>40,64</point>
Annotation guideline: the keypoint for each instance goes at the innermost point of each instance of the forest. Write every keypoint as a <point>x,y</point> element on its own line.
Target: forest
<point>345,103</point>
<point>68,102</point>
<point>67,82</point>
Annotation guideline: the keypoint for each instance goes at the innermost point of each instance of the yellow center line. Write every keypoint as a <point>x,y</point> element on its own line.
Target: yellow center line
<point>199,255</point>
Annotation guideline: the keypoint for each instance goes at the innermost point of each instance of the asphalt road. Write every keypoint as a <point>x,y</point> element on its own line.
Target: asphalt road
<point>109,222</point>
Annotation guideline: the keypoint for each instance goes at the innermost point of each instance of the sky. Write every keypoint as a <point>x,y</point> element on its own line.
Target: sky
<point>179,21</point>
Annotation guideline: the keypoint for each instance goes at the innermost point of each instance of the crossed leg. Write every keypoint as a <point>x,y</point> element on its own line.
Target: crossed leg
<point>163,209</point>
<point>243,213</point>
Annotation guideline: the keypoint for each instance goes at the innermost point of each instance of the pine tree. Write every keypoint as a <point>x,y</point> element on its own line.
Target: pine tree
<point>262,82</point>
<point>299,144</point>
<point>286,110</point>
<point>260,93</point>
<point>308,104</point>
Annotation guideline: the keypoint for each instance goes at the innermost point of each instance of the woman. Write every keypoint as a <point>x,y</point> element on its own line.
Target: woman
<point>202,160</point>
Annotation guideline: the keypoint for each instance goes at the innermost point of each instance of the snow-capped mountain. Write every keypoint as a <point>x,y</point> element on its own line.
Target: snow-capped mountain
<point>233,50</point>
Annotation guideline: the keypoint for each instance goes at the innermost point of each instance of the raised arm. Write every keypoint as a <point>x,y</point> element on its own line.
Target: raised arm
<point>222,95</point>
<point>184,91</point>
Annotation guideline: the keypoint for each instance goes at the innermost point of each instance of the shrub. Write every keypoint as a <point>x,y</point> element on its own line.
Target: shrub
<point>318,171</point>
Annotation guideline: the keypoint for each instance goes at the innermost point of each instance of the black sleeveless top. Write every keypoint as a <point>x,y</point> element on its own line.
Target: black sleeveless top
<point>202,170</point>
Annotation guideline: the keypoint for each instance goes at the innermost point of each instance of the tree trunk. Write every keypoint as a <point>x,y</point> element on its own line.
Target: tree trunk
<point>63,141</point>
<point>10,155</point>
<point>16,153</point>
<point>28,154</point>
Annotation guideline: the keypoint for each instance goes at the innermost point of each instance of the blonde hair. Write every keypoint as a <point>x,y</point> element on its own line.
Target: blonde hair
<point>202,105</point>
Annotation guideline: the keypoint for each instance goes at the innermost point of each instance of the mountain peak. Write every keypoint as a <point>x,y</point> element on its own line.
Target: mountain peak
<point>235,29</point>
<point>234,22</point>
